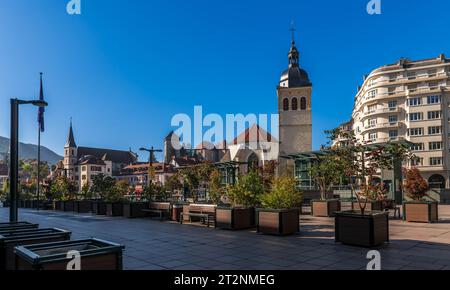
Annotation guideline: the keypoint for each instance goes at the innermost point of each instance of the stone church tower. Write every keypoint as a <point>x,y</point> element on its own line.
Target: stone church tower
<point>294,109</point>
<point>70,154</point>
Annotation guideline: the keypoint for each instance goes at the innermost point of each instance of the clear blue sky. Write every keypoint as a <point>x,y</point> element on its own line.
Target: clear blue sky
<point>123,68</point>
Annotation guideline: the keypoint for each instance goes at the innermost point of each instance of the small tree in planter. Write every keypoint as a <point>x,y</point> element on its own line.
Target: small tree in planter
<point>418,210</point>
<point>101,187</point>
<point>114,199</point>
<point>279,214</point>
<point>326,171</point>
<point>245,196</point>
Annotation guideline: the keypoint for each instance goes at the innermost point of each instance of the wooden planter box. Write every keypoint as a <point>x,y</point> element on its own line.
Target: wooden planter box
<point>8,241</point>
<point>95,255</point>
<point>5,227</point>
<point>278,222</point>
<point>27,204</point>
<point>20,204</point>
<point>421,212</point>
<point>177,209</point>
<point>325,208</point>
<point>59,205</point>
<point>368,230</point>
<point>83,206</point>
<point>134,209</point>
<point>99,207</point>
<point>69,205</point>
<point>114,209</point>
<point>375,205</point>
<point>235,218</point>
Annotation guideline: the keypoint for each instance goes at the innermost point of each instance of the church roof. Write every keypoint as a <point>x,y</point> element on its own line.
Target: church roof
<point>255,134</point>
<point>116,156</point>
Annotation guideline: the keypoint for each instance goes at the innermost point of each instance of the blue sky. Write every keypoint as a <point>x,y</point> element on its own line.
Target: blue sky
<point>122,69</point>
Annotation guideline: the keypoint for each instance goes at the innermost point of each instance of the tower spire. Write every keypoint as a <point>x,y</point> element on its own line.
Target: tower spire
<point>292,29</point>
<point>70,138</point>
<point>293,55</point>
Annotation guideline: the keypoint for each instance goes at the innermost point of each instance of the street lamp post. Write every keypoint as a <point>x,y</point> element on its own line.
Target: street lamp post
<point>151,151</point>
<point>14,153</point>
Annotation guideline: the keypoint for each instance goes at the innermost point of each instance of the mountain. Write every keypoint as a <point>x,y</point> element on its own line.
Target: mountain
<point>29,151</point>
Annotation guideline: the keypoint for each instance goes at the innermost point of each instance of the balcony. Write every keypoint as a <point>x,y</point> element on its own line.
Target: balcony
<point>382,111</point>
<point>382,126</point>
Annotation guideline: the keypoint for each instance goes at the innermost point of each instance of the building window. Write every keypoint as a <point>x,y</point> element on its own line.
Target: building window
<point>416,132</point>
<point>392,90</point>
<point>392,105</point>
<point>83,168</point>
<point>286,104</point>
<point>96,168</point>
<point>373,136</point>
<point>418,147</point>
<point>303,104</point>
<point>433,146</point>
<point>434,115</point>
<point>432,73</point>
<point>417,162</point>
<point>372,123</point>
<point>434,100</point>
<point>435,130</point>
<point>393,134</point>
<point>371,109</point>
<point>412,88</point>
<point>433,85</point>
<point>83,177</point>
<point>435,161</point>
<point>414,102</point>
<point>393,120</point>
<point>415,117</point>
<point>411,75</point>
<point>372,94</point>
<point>73,152</point>
<point>294,104</point>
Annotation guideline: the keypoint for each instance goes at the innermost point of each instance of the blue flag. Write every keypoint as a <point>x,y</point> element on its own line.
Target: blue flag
<point>41,109</point>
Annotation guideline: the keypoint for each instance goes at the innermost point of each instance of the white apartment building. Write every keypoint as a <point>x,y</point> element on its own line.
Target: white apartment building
<point>409,100</point>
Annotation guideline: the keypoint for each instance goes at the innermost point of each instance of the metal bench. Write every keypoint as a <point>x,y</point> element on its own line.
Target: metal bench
<point>159,208</point>
<point>206,213</point>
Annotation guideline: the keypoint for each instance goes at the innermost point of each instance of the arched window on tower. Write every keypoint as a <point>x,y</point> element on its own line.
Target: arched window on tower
<point>303,104</point>
<point>286,104</point>
<point>294,104</point>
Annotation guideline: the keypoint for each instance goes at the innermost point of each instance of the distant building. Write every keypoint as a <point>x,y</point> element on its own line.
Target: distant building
<point>409,100</point>
<point>253,147</point>
<point>81,164</point>
<point>137,174</point>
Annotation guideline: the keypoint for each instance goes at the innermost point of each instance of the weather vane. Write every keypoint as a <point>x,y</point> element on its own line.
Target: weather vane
<point>292,29</point>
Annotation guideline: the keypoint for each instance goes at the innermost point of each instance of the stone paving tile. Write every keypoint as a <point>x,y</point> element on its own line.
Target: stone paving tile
<point>151,244</point>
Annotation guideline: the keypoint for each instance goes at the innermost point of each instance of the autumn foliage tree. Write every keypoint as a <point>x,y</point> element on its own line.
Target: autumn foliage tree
<point>415,185</point>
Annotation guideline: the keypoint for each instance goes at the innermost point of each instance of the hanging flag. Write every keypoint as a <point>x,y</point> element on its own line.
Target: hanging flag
<point>41,109</point>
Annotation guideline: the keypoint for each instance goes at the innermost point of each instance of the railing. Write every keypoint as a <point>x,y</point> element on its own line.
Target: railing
<point>381,111</point>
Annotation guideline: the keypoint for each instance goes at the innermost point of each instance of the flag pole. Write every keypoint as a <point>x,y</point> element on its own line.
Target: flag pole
<point>39,168</point>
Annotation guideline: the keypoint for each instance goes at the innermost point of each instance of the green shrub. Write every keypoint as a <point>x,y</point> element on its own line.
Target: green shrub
<point>247,190</point>
<point>283,195</point>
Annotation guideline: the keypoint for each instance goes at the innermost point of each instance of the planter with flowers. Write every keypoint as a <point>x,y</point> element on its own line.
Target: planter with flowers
<point>418,210</point>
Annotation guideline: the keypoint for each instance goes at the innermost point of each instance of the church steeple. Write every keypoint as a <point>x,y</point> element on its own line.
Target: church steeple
<point>70,139</point>
<point>293,55</point>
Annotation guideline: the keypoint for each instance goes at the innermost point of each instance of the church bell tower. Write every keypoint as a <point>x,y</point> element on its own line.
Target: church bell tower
<point>294,109</point>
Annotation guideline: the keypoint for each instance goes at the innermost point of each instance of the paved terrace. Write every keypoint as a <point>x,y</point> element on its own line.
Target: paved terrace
<point>154,245</point>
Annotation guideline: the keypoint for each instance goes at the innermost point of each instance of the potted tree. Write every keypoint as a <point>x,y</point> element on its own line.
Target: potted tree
<point>60,189</point>
<point>418,210</point>
<point>244,197</point>
<point>84,204</point>
<point>326,170</point>
<point>101,186</point>
<point>132,207</point>
<point>174,186</point>
<point>279,214</point>
<point>363,227</point>
<point>114,199</point>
